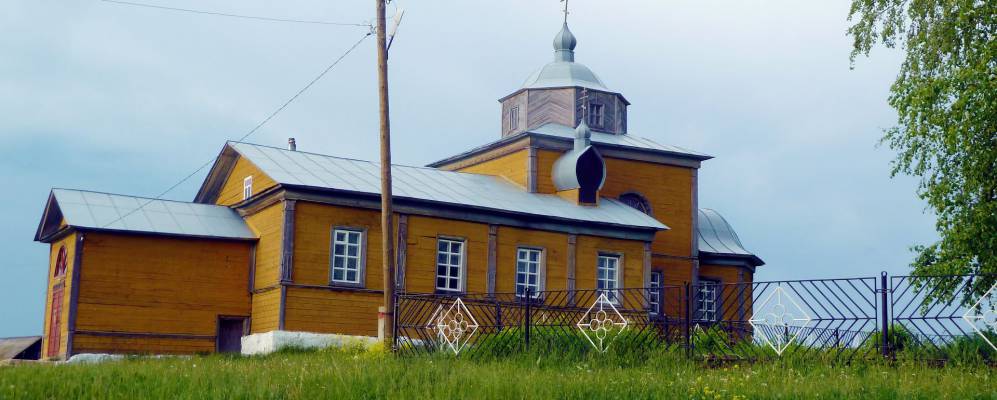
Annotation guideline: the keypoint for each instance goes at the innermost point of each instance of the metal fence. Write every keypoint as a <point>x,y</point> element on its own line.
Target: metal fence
<point>831,319</point>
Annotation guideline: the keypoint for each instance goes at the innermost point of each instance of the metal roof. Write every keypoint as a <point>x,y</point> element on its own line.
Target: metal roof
<point>94,210</point>
<point>420,183</point>
<point>564,71</point>
<point>718,237</point>
<point>625,140</point>
<point>12,347</point>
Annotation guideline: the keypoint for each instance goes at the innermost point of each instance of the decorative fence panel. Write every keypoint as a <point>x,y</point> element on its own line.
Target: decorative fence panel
<point>835,320</point>
<point>831,318</point>
<point>941,317</point>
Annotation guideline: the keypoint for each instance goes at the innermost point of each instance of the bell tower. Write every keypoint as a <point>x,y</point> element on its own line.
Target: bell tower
<point>553,95</point>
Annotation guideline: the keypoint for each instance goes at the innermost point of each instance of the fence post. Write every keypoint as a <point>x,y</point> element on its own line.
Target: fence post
<point>527,318</point>
<point>884,315</point>
<point>394,328</point>
<point>498,315</point>
<point>688,321</point>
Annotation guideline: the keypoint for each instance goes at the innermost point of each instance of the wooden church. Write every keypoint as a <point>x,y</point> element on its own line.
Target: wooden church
<point>284,240</point>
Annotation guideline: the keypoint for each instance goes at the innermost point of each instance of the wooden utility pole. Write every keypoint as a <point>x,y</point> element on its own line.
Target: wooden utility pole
<point>387,227</point>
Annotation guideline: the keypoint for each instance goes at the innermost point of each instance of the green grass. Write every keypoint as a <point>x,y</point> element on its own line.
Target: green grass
<point>337,374</point>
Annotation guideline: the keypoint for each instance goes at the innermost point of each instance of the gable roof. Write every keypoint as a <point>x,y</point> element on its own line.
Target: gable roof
<point>464,190</point>
<point>113,212</point>
<point>601,140</point>
<point>717,237</point>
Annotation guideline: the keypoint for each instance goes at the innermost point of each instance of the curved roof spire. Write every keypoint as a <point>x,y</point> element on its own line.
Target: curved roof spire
<point>564,45</point>
<point>564,71</point>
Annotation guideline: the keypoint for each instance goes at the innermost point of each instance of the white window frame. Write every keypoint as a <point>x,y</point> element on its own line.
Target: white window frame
<point>360,257</point>
<point>602,284</point>
<point>654,292</point>
<point>523,266</point>
<point>707,300</point>
<point>449,265</point>
<point>247,187</point>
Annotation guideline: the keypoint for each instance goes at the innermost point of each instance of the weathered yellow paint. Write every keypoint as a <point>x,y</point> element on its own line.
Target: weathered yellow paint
<point>554,246</point>
<point>266,311</point>
<point>70,243</point>
<point>158,285</point>
<point>313,241</point>
<point>676,271</point>
<point>668,189</point>
<point>231,191</point>
<point>423,233</point>
<point>512,166</point>
<point>545,166</point>
<point>328,311</point>
<point>143,345</point>
<point>588,249</point>
<point>723,273</point>
<point>268,225</point>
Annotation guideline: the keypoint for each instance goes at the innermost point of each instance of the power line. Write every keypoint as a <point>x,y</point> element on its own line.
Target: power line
<point>221,14</point>
<point>251,131</point>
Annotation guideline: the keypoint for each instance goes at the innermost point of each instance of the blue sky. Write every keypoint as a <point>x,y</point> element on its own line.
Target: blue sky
<point>106,97</point>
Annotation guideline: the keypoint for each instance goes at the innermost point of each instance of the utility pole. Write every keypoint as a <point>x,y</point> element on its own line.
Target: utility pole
<point>387,227</point>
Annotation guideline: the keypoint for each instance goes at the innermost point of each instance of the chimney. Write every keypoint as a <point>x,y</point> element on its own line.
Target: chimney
<point>291,145</point>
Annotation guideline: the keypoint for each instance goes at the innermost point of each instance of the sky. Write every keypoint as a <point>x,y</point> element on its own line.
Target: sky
<point>115,98</point>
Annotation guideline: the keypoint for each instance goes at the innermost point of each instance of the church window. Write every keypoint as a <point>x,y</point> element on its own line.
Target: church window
<point>247,187</point>
<point>529,268</point>
<point>636,201</point>
<point>654,293</point>
<point>597,115</point>
<point>347,256</point>
<point>706,300</point>
<point>513,118</point>
<point>60,262</point>
<point>608,276</point>
<point>449,265</point>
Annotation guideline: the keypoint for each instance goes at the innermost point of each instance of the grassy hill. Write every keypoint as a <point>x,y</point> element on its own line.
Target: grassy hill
<point>339,374</point>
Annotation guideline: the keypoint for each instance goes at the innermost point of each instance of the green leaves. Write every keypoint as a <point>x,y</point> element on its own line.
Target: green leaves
<point>945,95</point>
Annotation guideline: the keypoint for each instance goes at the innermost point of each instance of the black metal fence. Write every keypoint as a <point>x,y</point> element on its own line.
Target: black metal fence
<point>831,319</point>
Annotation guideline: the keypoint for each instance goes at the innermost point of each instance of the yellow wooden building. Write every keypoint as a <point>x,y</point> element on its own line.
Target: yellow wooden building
<point>284,240</point>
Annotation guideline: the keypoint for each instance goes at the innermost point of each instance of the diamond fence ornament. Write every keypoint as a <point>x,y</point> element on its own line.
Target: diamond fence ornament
<point>602,323</point>
<point>986,315</point>
<point>454,325</point>
<point>778,320</point>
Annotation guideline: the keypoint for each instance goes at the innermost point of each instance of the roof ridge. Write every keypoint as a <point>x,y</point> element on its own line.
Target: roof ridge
<point>354,159</point>
<point>133,196</point>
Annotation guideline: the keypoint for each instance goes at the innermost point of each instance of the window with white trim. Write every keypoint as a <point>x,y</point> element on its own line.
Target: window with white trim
<point>513,118</point>
<point>449,265</point>
<point>608,275</point>
<point>247,187</point>
<point>529,271</point>
<point>347,256</point>
<point>706,300</point>
<point>654,293</point>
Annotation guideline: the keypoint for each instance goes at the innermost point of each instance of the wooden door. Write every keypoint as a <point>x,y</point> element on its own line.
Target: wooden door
<point>55,322</point>
<point>230,330</point>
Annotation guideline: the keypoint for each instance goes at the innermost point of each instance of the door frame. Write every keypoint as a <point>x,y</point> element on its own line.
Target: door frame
<point>218,327</point>
<point>55,322</point>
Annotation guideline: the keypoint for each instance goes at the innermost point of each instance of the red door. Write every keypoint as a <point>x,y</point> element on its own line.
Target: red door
<point>55,322</point>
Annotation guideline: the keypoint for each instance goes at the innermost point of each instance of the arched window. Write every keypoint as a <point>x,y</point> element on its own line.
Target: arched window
<point>637,201</point>
<point>60,262</point>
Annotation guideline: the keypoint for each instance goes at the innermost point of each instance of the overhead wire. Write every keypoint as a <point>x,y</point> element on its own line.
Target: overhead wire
<point>251,131</point>
<point>222,14</point>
